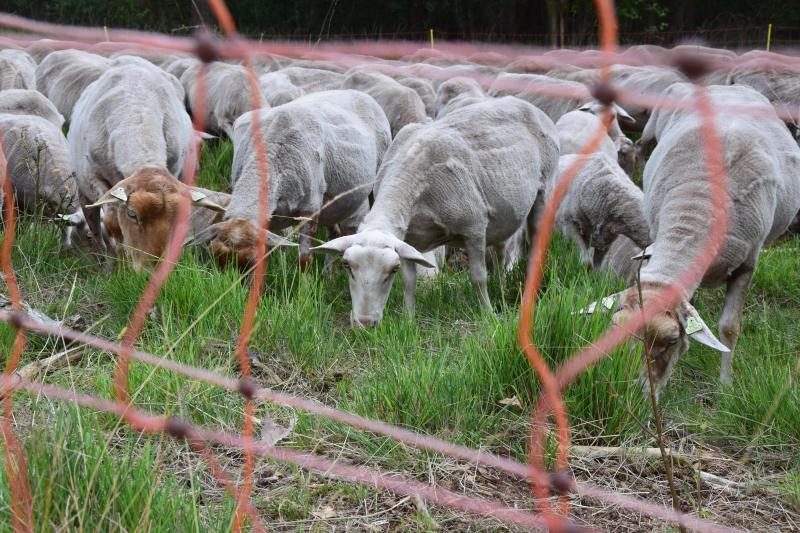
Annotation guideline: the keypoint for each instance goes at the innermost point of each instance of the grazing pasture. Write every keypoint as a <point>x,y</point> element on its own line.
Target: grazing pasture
<point>454,371</point>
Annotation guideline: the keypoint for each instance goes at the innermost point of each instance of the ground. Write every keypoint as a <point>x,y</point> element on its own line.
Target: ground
<point>446,373</point>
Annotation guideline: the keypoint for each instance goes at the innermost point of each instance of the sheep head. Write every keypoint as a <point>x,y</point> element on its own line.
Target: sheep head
<point>666,335</point>
<point>140,212</point>
<point>236,241</point>
<point>371,259</point>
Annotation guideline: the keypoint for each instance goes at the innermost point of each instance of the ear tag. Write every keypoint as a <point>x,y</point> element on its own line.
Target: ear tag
<point>119,194</point>
<point>197,196</point>
<point>693,325</point>
<point>607,302</point>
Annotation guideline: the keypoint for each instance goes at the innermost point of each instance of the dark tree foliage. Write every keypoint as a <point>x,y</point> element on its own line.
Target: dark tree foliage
<point>556,22</point>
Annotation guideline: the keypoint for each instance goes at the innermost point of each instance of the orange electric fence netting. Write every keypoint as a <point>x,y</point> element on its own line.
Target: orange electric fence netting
<point>544,483</point>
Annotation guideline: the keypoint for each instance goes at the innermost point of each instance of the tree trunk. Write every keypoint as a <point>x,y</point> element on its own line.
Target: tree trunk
<point>554,22</point>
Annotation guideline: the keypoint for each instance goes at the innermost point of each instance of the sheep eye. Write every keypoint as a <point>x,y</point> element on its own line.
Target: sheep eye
<point>346,264</point>
<point>394,269</point>
<point>131,213</point>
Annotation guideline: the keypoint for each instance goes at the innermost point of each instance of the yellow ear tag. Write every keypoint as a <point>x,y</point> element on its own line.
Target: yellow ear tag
<point>197,196</point>
<point>693,325</point>
<point>608,302</point>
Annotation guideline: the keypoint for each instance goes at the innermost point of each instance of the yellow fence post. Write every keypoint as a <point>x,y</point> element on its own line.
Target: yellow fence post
<point>769,36</point>
<point>431,32</point>
<point>105,29</point>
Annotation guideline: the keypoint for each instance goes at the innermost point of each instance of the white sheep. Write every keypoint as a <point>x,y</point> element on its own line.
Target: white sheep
<point>586,76</point>
<point>278,88</point>
<point>29,102</point>
<point>779,83</point>
<point>763,180</point>
<point>470,179</point>
<point>313,80</point>
<point>131,117</point>
<point>528,87</point>
<point>323,149</point>
<point>456,93</point>
<point>401,104</point>
<point>318,65</point>
<point>63,75</point>
<point>41,174</point>
<point>17,70</point>
<point>178,66</point>
<point>228,94</point>
<point>649,80</point>
<point>602,203</point>
<point>623,259</point>
<point>424,89</point>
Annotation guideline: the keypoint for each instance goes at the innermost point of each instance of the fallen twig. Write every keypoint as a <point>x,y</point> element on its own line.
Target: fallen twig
<point>32,370</point>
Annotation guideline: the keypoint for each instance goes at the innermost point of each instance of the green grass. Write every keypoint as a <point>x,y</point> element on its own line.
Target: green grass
<point>443,373</point>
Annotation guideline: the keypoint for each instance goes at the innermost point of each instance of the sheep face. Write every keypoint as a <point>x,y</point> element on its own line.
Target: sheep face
<point>666,335</point>
<point>663,336</point>
<point>140,211</point>
<point>372,258</point>
<point>370,271</point>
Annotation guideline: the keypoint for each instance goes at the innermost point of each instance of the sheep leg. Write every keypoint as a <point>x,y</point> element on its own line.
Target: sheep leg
<point>409,274</point>
<point>731,322</point>
<point>494,257</point>
<point>307,232</point>
<point>333,233</point>
<point>532,222</point>
<point>93,220</point>
<point>476,254</point>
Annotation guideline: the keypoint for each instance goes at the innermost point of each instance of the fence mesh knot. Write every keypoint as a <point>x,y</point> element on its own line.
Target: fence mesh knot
<point>604,93</point>
<point>561,482</point>
<point>177,428</point>
<point>17,319</point>
<point>206,46</point>
<point>248,388</point>
<point>692,65</point>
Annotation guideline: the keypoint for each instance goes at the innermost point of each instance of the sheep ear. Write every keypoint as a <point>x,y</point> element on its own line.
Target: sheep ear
<point>337,246</point>
<point>409,253</point>
<point>114,195</point>
<point>622,114</point>
<point>588,106</point>
<point>608,303</point>
<point>200,199</point>
<point>698,330</point>
<point>276,240</point>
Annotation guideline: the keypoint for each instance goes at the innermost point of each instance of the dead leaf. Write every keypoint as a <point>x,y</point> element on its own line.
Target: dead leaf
<point>272,433</point>
<point>511,401</point>
<point>325,512</point>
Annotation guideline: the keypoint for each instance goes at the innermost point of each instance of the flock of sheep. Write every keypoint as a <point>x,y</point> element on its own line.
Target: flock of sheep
<point>397,159</point>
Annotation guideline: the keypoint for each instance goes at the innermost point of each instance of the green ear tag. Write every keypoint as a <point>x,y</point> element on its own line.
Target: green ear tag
<point>693,325</point>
